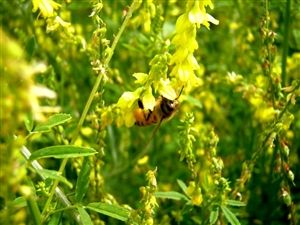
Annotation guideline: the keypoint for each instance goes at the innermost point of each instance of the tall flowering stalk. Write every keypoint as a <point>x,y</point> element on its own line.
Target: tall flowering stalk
<point>185,41</point>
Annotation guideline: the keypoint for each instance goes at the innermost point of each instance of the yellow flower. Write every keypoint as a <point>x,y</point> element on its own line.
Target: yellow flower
<point>166,90</point>
<point>125,104</point>
<point>194,193</point>
<point>46,7</point>
<point>198,14</point>
<point>148,99</point>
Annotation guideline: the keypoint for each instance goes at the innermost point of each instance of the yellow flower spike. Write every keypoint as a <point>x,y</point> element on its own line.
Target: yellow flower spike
<point>47,7</point>
<point>182,23</point>
<point>180,54</point>
<point>151,177</point>
<point>192,61</point>
<point>185,72</point>
<point>196,16</point>
<point>153,201</point>
<point>194,193</point>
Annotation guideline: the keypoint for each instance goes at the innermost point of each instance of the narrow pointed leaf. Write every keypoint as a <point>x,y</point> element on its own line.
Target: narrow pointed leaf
<point>52,174</point>
<point>214,216</point>
<point>84,216</point>
<point>171,195</point>
<point>19,202</point>
<point>62,151</point>
<point>229,215</point>
<point>52,121</point>
<point>235,203</point>
<point>83,180</point>
<point>182,186</point>
<point>28,122</point>
<point>113,211</point>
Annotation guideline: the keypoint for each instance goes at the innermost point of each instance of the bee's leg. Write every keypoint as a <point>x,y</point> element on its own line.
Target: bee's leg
<point>140,103</point>
<point>148,115</point>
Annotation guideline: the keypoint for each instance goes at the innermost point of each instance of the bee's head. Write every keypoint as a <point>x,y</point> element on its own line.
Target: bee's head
<point>173,104</point>
<point>168,107</point>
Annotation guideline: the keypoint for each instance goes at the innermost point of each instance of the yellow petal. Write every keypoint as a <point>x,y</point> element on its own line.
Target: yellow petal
<point>166,90</point>
<point>148,99</point>
<point>141,78</point>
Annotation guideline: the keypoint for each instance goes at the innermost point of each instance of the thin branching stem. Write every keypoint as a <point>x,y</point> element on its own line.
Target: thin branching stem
<point>90,99</point>
<point>269,69</point>
<point>285,41</point>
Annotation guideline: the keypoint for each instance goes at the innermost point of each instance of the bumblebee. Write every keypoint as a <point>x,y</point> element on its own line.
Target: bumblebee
<point>164,108</point>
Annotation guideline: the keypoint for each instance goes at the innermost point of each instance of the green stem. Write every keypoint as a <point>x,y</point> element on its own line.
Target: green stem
<point>34,210</point>
<point>90,100</point>
<point>285,41</point>
<point>269,54</point>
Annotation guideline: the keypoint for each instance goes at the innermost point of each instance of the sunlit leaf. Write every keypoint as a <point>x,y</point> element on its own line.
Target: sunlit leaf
<point>52,174</point>
<point>62,151</point>
<point>235,203</point>
<point>113,211</point>
<point>19,202</point>
<point>171,195</point>
<point>52,121</point>
<point>182,186</point>
<point>229,215</point>
<point>214,215</point>
<point>28,122</point>
<point>84,216</point>
<point>83,180</point>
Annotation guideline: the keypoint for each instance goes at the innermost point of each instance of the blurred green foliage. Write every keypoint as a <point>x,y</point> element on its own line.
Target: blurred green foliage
<point>231,152</point>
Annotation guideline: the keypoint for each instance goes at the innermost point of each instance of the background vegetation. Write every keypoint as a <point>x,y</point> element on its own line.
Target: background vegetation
<point>72,72</point>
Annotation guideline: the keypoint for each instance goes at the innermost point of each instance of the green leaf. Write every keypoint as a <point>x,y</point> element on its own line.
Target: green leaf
<point>55,219</point>
<point>113,211</point>
<point>296,35</point>
<point>28,122</point>
<point>19,202</point>
<point>54,175</point>
<point>62,151</point>
<point>84,216</point>
<point>235,203</point>
<point>31,45</point>
<point>83,180</point>
<point>193,101</point>
<point>214,215</point>
<point>52,121</point>
<point>229,215</point>
<point>34,210</point>
<point>170,195</point>
<point>182,186</point>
